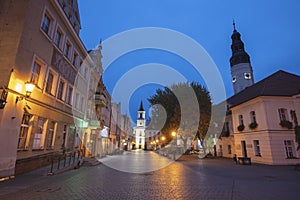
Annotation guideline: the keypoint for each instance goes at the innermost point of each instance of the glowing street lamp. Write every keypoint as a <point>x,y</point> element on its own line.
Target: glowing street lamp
<point>28,89</point>
<point>173,133</point>
<point>163,138</point>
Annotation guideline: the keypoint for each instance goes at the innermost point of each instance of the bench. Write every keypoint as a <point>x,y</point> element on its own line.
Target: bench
<point>244,160</point>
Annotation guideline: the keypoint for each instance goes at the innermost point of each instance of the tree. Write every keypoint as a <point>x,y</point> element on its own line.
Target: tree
<point>184,108</point>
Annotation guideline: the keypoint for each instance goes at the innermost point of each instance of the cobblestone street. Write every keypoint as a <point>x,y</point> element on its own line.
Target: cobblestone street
<point>187,178</point>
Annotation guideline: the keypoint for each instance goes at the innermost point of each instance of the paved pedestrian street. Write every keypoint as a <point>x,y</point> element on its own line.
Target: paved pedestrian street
<point>188,178</point>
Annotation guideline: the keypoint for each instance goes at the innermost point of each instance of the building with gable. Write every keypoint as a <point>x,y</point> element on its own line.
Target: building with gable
<point>261,120</point>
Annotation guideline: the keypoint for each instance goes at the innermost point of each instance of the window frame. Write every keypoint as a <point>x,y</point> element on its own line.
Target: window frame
<point>283,116</point>
<point>241,119</point>
<point>253,116</point>
<point>52,91</point>
<point>69,98</point>
<point>62,39</point>
<point>50,30</point>
<point>289,149</point>
<point>256,148</point>
<point>61,96</point>
<point>25,127</point>
<point>69,53</point>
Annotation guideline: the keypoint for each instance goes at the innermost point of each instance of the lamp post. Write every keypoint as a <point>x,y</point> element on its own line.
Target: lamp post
<point>174,135</point>
<point>28,89</point>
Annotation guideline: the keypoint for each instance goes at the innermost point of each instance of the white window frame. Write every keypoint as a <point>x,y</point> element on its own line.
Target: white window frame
<point>69,100</point>
<point>63,95</point>
<point>68,55</point>
<point>24,139</point>
<point>40,62</point>
<point>49,34</point>
<point>283,114</point>
<point>50,138</point>
<point>253,116</point>
<point>241,119</point>
<point>39,136</point>
<point>75,58</point>
<point>62,39</point>
<point>289,149</point>
<point>256,146</point>
<point>54,82</point>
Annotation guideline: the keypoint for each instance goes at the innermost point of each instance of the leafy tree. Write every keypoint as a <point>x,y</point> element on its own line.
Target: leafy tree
<point>184,108</point>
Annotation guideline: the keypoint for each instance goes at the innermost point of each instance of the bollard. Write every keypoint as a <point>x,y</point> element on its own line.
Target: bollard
<point>65,159</point>
<point>58,164</point>
<point>70,159</point>
<point>51,170</point>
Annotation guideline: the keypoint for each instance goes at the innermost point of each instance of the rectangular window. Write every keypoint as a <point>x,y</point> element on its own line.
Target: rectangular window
<point>58,37</point>
<point>256,147</point>
<point>75,57</point>
<point>61,88</point>
<point>67,49</point>
<point>241,120</point>
<point>69,96</point>
<point>283,114</point>
<point>51,135</point>
<point>71,138</point>
<point>289,148</point>
<point>24,131</point>
<point>252,117</point>
<point>81,104</point>
<point>36,71</point>
<point>46,24</point>
<point>229,149</point>
<point>76,101</point>
<point>38,135</point>
<point>64,141</point>
<point>49,84</point>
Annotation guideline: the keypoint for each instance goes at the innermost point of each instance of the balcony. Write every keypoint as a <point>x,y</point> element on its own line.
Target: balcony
<point>100,100</point>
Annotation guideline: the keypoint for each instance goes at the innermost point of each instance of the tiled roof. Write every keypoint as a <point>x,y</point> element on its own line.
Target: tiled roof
<point>280,83</point>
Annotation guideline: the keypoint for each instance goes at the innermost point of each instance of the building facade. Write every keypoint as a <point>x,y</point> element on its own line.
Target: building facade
<point>261,121</point>
<point>40,45</point>
<point>140,128</point>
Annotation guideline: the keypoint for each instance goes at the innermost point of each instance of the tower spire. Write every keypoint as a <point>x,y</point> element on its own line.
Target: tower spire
<point>141,107</point>
<point>233,23</point>
<point>241,69</point>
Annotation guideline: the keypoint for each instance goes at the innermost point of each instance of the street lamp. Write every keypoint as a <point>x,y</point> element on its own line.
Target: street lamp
<point>28,89</point>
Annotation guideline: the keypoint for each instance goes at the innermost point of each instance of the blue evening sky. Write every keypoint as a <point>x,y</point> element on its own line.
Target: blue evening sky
<point>269,29</point>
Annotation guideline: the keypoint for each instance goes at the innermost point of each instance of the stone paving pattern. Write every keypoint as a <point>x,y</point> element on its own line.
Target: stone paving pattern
<point>188,178</point>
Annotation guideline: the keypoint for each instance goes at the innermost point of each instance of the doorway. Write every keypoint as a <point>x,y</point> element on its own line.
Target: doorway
<point>244,149</point>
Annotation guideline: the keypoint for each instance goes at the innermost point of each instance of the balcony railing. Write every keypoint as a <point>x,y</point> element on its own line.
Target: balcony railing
<point>100,100</point>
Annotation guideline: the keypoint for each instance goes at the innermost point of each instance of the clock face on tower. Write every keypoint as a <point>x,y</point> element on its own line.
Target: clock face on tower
<point>247,75</point>
<point>234,79</point>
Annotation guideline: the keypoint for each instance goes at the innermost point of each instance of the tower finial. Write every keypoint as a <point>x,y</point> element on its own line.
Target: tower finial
<point>233,23</point>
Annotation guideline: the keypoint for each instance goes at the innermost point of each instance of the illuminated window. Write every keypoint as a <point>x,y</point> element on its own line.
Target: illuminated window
<point>24,131</point>
<point>51,135</point>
